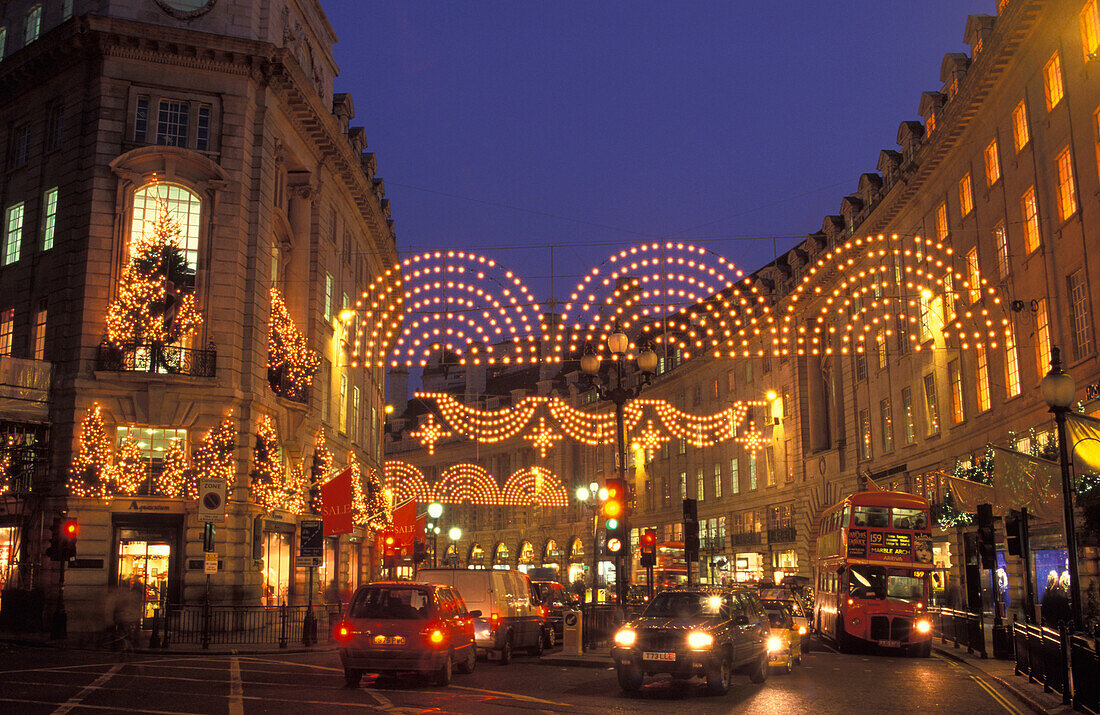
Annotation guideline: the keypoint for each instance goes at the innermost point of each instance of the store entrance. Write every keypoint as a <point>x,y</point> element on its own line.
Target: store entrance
<point>145,565</point>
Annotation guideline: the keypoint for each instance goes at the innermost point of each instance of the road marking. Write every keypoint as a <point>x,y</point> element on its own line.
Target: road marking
<point>236,707</point>
<point>1001,699</point>
<point>88,690</point>
<point>514,696</point>
<point>291,663</point>
<point>111,708</point>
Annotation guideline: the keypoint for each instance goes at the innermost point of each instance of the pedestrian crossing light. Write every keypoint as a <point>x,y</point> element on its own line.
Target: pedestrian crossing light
<point>649,548</point>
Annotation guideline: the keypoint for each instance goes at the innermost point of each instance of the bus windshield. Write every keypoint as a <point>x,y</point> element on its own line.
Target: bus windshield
<point>876,582</point>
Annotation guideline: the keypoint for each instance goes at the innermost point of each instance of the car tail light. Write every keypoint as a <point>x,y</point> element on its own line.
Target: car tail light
<point>542,611</point>
<point>436,637</point>
<point>343,632</point>
<point>493,621</point>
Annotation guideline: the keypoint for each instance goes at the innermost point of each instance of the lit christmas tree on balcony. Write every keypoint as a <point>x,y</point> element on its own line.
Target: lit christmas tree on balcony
<point>155,304</point>
<point>90,473</point>
<point>291,365</point>
<point>214,458</point>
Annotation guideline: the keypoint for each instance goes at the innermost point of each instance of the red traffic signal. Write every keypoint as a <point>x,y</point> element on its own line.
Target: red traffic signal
<point>649,547</point>
<point>649,538</point>
<point>71,529</point>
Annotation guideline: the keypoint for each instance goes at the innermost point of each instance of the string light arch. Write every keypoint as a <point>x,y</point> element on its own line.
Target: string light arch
<point>470,483</point>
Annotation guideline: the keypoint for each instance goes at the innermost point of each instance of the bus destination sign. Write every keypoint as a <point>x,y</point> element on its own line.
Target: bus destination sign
<point>892,546</point>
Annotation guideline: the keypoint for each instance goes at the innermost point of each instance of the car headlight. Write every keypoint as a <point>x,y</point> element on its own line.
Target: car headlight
<point>698,639</point>
<point>625,637</point>
<point>775,644</point>
<point>802,630</point>
<point>923,626</point>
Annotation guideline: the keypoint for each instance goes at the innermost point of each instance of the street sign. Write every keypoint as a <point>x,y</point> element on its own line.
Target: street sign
<point>211,501</point>
<point>210,566</point>
<point>307,561</point>
<point>312,535</point>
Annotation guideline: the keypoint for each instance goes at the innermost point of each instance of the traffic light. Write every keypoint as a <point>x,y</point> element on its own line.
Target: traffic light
<point>691,530</point>
<point>63,533</point>
<point>420,551</point>
<point>53,551</point>
<point>1014,533</point>
<point>208,538</point>
<point>615,503</point>
<point>987,538</point>
<point>389,549</point>
<point>649,548</point>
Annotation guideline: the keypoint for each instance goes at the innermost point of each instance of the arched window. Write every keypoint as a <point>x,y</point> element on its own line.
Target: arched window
<point>185,207</point>
<point>33,25</point>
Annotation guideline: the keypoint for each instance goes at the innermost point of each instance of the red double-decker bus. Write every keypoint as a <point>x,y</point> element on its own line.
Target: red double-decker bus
<point>670,569</point>
<point>872,572</point>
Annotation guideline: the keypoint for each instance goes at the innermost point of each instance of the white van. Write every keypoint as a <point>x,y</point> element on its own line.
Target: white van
<point>511,616</point>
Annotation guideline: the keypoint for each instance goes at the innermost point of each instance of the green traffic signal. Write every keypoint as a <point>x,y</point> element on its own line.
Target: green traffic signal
<point>612,524</point>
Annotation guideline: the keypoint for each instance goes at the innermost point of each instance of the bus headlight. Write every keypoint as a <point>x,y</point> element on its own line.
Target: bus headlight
<point>698,639</point>
<point>923,626</point>
<point>625,638</point>
<point>775,644</point>
<point>802,630</point>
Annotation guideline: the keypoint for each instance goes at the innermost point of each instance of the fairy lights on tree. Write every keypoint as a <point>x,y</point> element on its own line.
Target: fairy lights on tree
<point>214,458</point>
<point>155,304</point>
<point>296,495</point>
<point>175,479</point>
<point>267,479</point>
<point>90,473</point>
<point>291,365</point>
<point>129,471</point>
<point>322,467</point>
<point>978,469</point>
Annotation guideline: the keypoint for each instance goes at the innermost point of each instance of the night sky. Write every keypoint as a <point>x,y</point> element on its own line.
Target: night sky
<point>510,127</point>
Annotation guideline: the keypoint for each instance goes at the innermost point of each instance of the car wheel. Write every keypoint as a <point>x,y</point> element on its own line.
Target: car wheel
<point>443,675</point>
<point>718,678</point>
<point>506,651</point>
<point>798,660</point>
<point>536,649</point>
<point>630,678</point>
<point>467,666</point>
<point>843,644</point>
<point>790,665</point>
<point>759,672</point>
<point>352,678</point>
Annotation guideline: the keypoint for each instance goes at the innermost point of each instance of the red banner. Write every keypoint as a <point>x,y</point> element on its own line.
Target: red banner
<point>338,504</point>
<point>404,526</point>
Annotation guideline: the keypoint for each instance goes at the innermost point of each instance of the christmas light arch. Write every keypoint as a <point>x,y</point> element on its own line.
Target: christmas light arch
<point>467,482</point>
<point>406,482</point>
<point>470,483</point>
<point>534,485</point>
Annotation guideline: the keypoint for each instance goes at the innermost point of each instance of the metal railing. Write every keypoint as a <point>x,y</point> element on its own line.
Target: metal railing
<point>1042,654</point>
<point>283,386</point>
<point>1085,660</point>
<point>750,538</point>
<point>782,534</point>
<point>601,620</point>
<point>158,359</point>
<point>960,627</point>
<point>245,625</point>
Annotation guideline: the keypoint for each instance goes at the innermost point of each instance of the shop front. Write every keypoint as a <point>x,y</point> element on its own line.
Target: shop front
<point>277,540</point>
<point>146,559</point>
<point>577,567</point>
<point>748,566</point>
<point>476,557</point>
<point>502,556</point>
<point>784,563</point>
<point>551,556</point>
<point>526,556</point>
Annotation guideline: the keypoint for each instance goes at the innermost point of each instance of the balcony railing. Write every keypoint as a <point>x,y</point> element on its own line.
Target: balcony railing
<point>282,386</point>
<point>749,538</point>
<point>157,359</point>
<point>782,534</point>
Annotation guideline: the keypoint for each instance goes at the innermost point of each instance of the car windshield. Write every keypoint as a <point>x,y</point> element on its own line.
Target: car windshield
<point>683,605</point>
<point>876,582</point>
<point>777,615</point>
<point>401,604</point>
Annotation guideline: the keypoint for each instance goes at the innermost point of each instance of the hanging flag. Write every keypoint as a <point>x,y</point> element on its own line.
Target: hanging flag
<point>405,524</point>
<point>1083,433</point>
<point>337,504</point>
<point>1020,480</point>
<point>968,495</point>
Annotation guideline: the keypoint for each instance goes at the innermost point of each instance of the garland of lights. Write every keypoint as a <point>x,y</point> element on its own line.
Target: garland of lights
<point>322,466</point>
<point>980,470</point>
<point>174,478</point>
<point>296,495</point>
<point>90,473</point>
<point>5,465</point>
<point>214,459</point>
<point>430,433</point>
<point>150,308</point>
<point>484,425</point>
<point>290,362</point>
<point>470,483</point>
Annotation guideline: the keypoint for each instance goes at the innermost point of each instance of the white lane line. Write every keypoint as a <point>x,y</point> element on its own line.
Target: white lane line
<point>236,707</point>
<point>88,690</point>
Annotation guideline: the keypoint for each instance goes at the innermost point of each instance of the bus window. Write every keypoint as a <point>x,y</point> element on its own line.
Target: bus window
<point>875,582</point>
<point>844,518</point>
<point>876,517</point>
<point>909,519</point>
<point>866,582</point>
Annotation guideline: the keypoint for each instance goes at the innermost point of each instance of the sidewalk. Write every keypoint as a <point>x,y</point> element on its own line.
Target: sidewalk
<point>1003,673</point>
<point>600,658</point>
<point>42,640</point>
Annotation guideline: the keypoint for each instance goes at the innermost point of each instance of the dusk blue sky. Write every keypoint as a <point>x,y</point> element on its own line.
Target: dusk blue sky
<point>508,127</point>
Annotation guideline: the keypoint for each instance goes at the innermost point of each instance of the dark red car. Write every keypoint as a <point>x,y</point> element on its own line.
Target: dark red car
<point>397,627</point>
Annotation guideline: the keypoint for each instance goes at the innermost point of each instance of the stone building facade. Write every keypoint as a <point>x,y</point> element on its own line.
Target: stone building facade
<point>999,178</point>
<point>226,111</point>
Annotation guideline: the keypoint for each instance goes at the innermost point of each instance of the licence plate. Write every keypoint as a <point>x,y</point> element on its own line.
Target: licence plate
<point>890,644</point>
<point>658,656</point>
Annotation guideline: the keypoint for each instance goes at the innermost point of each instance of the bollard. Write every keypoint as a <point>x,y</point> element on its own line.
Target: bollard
<point>282,626</point>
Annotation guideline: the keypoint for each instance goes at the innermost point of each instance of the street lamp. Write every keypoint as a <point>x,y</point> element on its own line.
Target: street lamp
<point>435,510</point>
<point>455,533</point>
<point>1058,389</point>
<point>591,497</point>
<point>617,393</point>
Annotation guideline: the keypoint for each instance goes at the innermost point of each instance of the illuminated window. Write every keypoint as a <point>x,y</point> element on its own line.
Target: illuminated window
<point>153,443</point>
<point>886,424</point>
<point>355,414</point>
<point>1067,192</point>
<point>683,485</point>
<point>185,208</point>
<point>907,415</point>
<point>1030,209</point>
<point>172,118</point>
<point>925,306</point>
<point>1079,314</point>
<point>1090,30</point>
<point>931,405</point>
<point>49,219</point>
<point>1020,133</point>
<point>682,446</point>
<point>3,40</point>
<point>328,296</point>
<point>700,488</point>
<point>13,233</point>
<point>992,164</point>
<point>941,221</point>
<point>864,434</point>
<point>1042,335</point>
<point>66,9</point>
<point>1000,239</point>
<point>954,379</point>
<point>735,475</point>
<point>7,328</point>
<point>983,379</point>
<point>966,195</point>
<point>717,480</point>
<point>973,275</point>
<point>40,331</point>
<point>880,349</point>
<point>1012,364</point>
<point>343,407</point>
<point>769,465</point>
<point>1052,81</point>
<point>752,471</point>
<point>33,25</point>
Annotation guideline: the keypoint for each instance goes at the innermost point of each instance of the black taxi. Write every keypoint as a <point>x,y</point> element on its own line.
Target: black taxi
<point>704,631</point>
